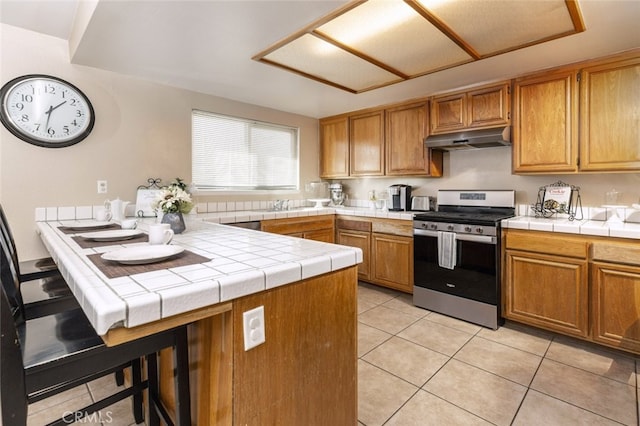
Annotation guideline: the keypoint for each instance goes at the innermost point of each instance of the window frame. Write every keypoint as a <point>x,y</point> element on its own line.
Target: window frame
<point>254,190</point>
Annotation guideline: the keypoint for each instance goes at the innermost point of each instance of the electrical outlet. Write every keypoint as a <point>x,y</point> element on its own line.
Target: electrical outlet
<point>253,326</point>
<point>102,187</point>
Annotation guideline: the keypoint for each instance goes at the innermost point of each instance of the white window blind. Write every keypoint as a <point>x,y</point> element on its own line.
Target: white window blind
<point>231,153</point>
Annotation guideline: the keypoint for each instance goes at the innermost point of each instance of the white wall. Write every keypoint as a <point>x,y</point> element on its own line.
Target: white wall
<point>490,168</point>
<point>142,130</point>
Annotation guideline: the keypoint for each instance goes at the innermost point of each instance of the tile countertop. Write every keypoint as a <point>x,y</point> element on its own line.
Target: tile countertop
<point>601,228</point>
<point>252,215</point>
<point>242,262</point>
<point>609,228</point>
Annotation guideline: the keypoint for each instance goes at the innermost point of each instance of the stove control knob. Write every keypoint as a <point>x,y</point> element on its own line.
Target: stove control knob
<point>433,226</point>
<point>479,230</point>
<point>467,229</point>
<point>450,227</point>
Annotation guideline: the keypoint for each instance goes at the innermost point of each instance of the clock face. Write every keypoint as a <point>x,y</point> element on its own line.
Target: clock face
<point>46,111</point>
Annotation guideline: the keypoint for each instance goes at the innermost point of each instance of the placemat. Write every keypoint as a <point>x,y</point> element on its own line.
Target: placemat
<point>84,243</point>
<point>114,269</point>
<point>71,230</point>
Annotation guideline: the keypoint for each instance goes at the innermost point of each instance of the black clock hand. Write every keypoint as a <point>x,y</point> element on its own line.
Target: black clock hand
<point>48,114</point>
<point>51,108</point>
<point>57,106</point>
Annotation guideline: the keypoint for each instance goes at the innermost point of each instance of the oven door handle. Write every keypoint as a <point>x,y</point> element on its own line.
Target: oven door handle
<point>483,239</point>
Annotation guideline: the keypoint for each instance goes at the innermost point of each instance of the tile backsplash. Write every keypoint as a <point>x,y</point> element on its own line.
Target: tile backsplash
<point>595,213</point>
<point>623,214</point>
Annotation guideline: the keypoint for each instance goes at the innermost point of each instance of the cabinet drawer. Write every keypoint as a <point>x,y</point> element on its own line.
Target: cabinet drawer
<point>403,228</point>
<point>353,225</point>
<point>539,242</point>
<point>616,253</point>
<point>297,224</point>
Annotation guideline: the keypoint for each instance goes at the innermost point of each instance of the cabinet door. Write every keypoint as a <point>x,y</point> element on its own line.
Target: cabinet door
<point>545,137</point>
<point>361,240</point>
<point>547,291</point>
<point>610,117</point>
<point>406,154</point>
<point>367,144</point>
<point>334,147</point>
<point>448,113</point>
<point>616,305</point>
<point>392,261</point>
<point>489,106</point>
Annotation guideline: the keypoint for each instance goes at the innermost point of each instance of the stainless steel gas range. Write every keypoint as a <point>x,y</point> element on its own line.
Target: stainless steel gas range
<point>457,255</point>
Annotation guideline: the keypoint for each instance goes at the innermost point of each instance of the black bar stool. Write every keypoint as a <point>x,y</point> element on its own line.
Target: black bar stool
<point>44,356</point>
<point>44,291</point>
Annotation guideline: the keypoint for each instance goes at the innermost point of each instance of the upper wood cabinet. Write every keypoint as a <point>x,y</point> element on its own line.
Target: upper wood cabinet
<point>334,147</point>
<point>610,116</point>
<point>579,119</point>
<point>406,127</point>
<point>380,142</point>
<point>545,130</point>
<point>366,144</point>
<point>488,106</point>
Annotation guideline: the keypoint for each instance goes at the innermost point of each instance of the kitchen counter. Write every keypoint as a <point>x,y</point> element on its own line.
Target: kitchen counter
<point>253,215</point>
<point>242,262</point>
<point>616,229</point>
<point>610,228</point>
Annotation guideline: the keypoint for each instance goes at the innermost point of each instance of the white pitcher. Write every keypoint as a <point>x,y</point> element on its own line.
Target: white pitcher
<point>117,208</point>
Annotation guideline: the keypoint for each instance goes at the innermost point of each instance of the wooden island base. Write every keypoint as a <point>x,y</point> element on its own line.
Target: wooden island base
<point>304,374</point>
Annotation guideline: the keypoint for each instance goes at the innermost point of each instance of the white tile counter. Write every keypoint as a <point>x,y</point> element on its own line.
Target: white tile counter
<point>242,262</point>
<point>616,229</point>
<point>252,215</point>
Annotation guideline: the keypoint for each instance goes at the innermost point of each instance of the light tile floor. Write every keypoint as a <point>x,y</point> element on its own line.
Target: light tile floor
<point>418,367</point>
<point>119,414</point>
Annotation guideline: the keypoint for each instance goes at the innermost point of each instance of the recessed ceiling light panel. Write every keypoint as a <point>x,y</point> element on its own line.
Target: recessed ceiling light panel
<point>367,44</point>
<point>325,61</point>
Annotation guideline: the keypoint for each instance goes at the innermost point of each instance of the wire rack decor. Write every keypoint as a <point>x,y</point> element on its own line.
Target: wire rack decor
<point>146,196</point>
<point>558,198</point>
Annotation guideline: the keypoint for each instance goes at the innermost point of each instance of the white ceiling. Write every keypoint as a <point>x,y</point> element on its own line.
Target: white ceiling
<point>206,46</point>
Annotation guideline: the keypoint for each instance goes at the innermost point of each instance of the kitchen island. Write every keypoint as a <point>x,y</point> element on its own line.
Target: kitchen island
<point>305,372</point>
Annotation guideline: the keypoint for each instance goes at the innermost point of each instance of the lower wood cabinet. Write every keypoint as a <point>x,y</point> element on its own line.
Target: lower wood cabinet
<point>583,286</point>
<point>387,250</point>
<point>547,291</point>
<point>615,292</point>
<point>392,261</point>
<point>318,228</point>
<point>362,240</point>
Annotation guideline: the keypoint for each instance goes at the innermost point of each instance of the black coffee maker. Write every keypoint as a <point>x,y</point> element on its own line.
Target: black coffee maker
<point>399,197</point>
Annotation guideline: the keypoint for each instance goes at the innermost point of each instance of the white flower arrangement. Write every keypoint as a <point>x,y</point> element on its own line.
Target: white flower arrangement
<point>174,199</point>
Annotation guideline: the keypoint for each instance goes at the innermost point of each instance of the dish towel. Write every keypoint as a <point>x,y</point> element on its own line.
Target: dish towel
<point>447,249</point>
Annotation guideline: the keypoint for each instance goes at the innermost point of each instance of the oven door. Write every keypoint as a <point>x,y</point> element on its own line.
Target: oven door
<point>475,274</point>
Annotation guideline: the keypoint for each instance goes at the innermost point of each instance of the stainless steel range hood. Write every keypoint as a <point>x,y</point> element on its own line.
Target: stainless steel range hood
<point>482,138</point>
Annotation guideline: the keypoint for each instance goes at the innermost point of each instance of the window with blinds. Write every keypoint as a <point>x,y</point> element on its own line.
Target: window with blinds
<point>235,154</point>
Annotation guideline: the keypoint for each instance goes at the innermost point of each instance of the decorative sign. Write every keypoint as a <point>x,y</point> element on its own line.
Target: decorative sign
<point>557,198</point>
<point>144,202</point>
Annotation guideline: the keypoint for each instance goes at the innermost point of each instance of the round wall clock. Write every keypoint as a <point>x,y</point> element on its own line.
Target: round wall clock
<point>46,111</point>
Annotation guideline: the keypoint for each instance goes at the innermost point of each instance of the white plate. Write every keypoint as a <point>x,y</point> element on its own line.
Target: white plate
<point>140,255</point>
<point>88,225</point>
<point>113,235</point>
